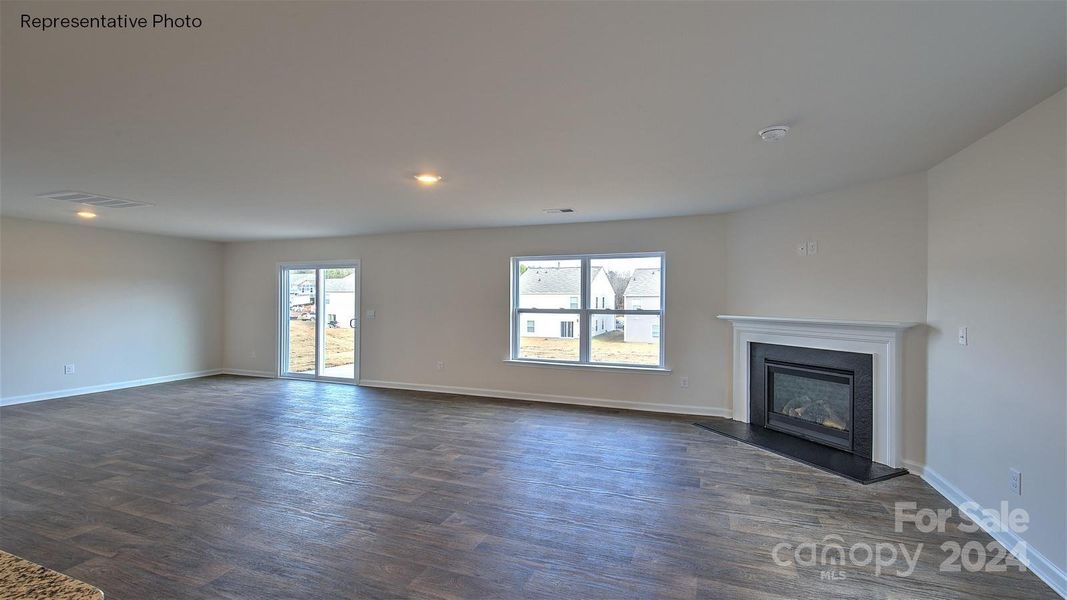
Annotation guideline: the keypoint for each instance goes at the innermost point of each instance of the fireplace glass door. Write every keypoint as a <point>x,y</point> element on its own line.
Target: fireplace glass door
<point>810,402</point>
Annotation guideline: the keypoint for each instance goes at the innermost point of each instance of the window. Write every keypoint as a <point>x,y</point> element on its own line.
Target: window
<point>609,309</point>
<point>317,327</point>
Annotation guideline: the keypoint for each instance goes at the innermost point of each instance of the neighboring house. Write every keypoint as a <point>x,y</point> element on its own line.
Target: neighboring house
<point>642,293</point>
<point>340,300</point>
<point>559,287</point>
<point>301,284</point>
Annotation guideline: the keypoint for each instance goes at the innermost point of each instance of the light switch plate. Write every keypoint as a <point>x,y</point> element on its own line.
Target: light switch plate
<point>813,248</point>
<point>802,249</point>
<point>962,337</point>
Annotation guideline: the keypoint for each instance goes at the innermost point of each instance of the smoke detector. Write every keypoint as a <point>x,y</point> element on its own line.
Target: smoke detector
<point>773,133</point>
<point>88,199</point>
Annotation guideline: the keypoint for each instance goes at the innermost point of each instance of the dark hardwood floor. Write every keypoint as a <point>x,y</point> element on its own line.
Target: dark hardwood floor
<point>230,487</point>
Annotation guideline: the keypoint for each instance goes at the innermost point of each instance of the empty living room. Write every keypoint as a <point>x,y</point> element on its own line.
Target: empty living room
<point>564,299</point>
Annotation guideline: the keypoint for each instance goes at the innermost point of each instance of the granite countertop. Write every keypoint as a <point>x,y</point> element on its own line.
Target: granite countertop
<point>21,579</point>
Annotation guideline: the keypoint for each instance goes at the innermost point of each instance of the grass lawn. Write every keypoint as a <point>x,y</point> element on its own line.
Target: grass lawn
<point>607,347</point>
<point>339,345</point>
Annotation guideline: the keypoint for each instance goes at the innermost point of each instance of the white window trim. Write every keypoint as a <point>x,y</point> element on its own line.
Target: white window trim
<point>585,314</point>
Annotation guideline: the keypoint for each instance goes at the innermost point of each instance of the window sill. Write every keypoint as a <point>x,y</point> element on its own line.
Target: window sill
<point>585,366</point>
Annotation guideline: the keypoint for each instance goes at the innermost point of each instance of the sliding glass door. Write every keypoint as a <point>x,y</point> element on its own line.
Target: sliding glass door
<point>318,336</point>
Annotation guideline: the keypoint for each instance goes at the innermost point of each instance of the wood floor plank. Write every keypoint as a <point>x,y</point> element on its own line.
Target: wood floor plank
<point>231,487</point>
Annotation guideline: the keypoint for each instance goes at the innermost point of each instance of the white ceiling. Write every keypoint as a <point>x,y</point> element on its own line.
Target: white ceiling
<point>294,119</point>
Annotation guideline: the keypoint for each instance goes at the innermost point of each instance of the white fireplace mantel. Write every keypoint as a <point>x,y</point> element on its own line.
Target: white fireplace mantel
<point>880,339</point>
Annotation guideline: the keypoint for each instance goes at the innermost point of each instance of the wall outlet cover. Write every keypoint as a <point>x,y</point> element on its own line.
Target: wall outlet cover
<point>68,369</point>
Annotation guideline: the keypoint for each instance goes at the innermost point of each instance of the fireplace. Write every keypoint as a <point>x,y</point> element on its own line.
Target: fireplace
<point>810,402</point>
<point>823,396</point>
<point>822,392</point>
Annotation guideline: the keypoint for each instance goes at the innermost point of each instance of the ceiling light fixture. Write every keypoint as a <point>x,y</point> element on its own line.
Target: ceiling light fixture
<point>428,178</point>
<point>85,214</point>
<point>773,133</point>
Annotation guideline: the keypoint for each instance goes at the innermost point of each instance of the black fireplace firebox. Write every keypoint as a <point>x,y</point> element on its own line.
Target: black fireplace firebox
<point>810,402</point>
<point>824,396</point>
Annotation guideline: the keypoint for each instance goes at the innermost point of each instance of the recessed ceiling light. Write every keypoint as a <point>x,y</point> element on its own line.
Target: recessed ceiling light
<point>85,214</point>
<point>773,133</point>
<point>428,178</point>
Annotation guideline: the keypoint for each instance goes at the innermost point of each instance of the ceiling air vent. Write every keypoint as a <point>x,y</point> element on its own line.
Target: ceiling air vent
<point>92,199</point>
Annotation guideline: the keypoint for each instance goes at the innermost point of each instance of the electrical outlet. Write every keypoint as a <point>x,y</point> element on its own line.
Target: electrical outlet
<point>252,355</point>
<point>813,248</point>
<point>684,382</point>
<point>1015,482</point>
<point>370,313</point>
<point>802,249</point>
<point>962,336</point>
<point>440,365</point>
<point>68,369</point>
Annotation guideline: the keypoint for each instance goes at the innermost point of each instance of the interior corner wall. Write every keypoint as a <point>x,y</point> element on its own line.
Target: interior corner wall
<point>870,264</point>
<point>998,266</point>
<point>124,308</point>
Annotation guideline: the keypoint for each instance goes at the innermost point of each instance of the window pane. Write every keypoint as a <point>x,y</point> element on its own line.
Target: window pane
<point>302,317</point>
<point>624,339</point>
<point>626,283</point>
<point>340,345</point>
<point>550,283</point>
<point>549,336</point>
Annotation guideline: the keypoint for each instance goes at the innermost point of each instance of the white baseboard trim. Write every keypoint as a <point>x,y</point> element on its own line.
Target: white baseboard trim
<point>684,409</point>
<point>1046,570</point>
<point>915,468</point>
<point>248,373</point>
<point>105,387</point>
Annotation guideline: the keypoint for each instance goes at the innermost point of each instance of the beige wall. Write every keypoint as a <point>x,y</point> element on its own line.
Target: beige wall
<point>997,266</point>
<point>120,306</point>
<point>431,289</point>
<point>870,264</point>
<point>445,296</point>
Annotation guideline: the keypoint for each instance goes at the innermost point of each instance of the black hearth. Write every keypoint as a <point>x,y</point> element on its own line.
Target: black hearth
<point>813,405</point>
